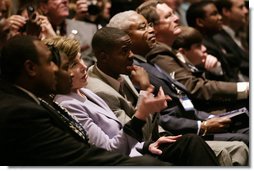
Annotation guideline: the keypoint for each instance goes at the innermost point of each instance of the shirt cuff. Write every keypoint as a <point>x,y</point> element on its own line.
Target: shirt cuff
<point>134,128</point>
<point>242,90</point>
<point>199,126</point>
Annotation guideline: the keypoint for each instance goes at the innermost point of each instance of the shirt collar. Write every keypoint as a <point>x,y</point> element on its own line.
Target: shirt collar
<point>181,57</point>
<point>229,31</point>
<point>115,84</point>
<point>141,58</point>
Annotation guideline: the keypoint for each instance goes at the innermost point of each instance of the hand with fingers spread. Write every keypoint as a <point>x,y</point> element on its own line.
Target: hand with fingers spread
<point>148,103</point>
<point>154,148</point>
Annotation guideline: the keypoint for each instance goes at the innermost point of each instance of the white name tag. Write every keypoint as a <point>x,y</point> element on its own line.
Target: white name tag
<point>186,103</point>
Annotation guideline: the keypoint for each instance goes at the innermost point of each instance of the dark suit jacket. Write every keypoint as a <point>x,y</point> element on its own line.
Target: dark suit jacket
<point>238,54</point>
<point>173,119</point>
<point>229,63</point>
<point>31,135</point>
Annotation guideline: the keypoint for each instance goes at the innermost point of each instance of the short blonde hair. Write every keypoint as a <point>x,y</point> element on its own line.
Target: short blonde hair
<point>69,46</point>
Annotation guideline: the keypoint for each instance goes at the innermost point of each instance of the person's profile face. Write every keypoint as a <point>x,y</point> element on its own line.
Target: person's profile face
<point>212,20</point>
<point>58,8</point>
<point>46,70</point>
<point>196,54</point>
<point>168,25</point>
<point>238,13</point>
<point>121,58</point>
<point>142,34</point>
<point>79,70</point>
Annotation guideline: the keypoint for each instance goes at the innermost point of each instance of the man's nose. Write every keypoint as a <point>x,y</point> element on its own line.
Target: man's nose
<point>203,48</point>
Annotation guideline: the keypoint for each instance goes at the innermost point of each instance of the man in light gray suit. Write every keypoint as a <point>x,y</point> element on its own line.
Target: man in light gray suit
<point>109,78</point>
<point>57,13</point>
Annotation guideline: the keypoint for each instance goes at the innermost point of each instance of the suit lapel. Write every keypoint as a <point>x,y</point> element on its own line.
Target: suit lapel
<point>130,86</point>
<point>171,80</point>
<point>124,104</point>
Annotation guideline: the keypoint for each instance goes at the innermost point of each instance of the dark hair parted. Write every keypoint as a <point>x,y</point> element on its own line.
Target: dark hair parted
<point>196,10</point>
<point>148,10</point>
<point>187,38</point>
<point>106,39</point>
<point>14,53</point>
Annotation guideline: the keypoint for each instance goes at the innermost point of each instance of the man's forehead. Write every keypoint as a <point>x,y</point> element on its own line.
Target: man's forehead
<point>124,41</point>
<point>136,20</point>
<point>163,7</point>
<point>41,47</point>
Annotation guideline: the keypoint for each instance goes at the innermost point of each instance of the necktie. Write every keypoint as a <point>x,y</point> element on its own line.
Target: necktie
<point>175,85</point>
<point>67,118</point>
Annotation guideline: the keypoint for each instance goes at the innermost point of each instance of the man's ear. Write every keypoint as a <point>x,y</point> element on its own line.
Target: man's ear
<point>30,68</point>
<point>182,51</point>
<point>104,56</point>
<point>226,12</point>
<point>200,22</point>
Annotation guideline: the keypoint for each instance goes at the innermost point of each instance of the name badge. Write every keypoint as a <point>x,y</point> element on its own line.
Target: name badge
<point>186,103</point>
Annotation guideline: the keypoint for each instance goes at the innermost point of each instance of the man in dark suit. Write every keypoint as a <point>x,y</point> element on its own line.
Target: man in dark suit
<point>205,92</point>
<point>234,22</point>
<point>32,132</point>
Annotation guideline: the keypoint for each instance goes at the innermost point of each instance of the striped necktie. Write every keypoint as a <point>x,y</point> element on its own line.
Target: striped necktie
<point>67,118</point>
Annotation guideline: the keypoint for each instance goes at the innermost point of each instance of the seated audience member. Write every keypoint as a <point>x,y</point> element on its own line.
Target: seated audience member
<point>177,118</point>
<point>190,48</point>
<point>57,13</point>
<point>232,35</point>
<point>206,94</point>
<point>103,128</point>
<point>31,131</point>
<point>205,17</point>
